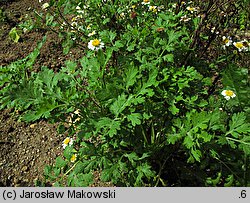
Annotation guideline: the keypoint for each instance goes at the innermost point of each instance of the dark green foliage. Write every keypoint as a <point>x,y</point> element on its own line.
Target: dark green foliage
<point>150,109</point>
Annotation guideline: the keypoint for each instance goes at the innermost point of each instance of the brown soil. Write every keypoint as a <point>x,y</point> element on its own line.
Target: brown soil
<point>25,149</point>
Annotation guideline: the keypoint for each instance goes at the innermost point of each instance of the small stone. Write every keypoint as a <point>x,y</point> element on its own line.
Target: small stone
<point>33,125</point>
<point>24,168</point>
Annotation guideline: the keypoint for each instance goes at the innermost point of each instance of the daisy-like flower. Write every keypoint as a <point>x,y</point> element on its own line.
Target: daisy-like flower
<point>227,41</point>
<point>73,158</point>
<point>185,18</point>
<point>67,142</point>
<point>241,46</point>
<point>45,5</point>
<point>95,44</point>
<point>228,94</point>
<point>153,9</point>
<point>192,9</point>
<point>122,15</point>
<point>145,2</point>
<point>92,33</point>
<point>174,5</point>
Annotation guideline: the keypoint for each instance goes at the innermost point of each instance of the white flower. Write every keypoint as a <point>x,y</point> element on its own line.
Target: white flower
<point>213,30</point>
<point>241,46</point>
<point>174,5</point>
<point>227,41</point>
<point>122,15</point>
<point>95,44</point>
<point>185,18</point>
<point>154,9</point>
<point>92,33</point>
<point>228,94</point>
<point>192,9</point>
<point>45,5</point>
<point>145,2</point>
<point>80,11</point>
<point>77,112</point>
<point>67,142</point>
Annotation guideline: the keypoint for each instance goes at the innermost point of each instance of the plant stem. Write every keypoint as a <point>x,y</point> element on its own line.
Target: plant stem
<point>242,142</point>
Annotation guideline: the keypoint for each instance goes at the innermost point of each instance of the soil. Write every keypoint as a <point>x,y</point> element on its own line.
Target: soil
<point>25,149</point>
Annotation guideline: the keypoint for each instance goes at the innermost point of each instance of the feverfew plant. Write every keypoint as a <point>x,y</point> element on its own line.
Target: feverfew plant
<point>153,101</point>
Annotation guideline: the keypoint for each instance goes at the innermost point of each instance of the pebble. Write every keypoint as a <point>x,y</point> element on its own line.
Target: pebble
<point>24,168</point>
<point>33,125</point>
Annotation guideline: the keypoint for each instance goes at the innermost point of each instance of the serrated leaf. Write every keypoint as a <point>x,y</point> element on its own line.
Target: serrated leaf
<point>120,104</point>
<point>169,58</point>
<point>174,110</point>
<point>118,45</point>
<point>111,173</point>
<point>229,181</point>
<point>134,118</point>
<point>60,163</point>
<point>110,126</point>
<point>132,156</point>
<point>57,171</point>
<point>82,180</point>
<point>238,125</point>
<point>67,153</point>
<point>188,141</point>
<point>79,168</point>
<point>173,138</point>
<point>131,76</point>
<point>143,170</point>
<point>196,154</point>
<point>71,65</point>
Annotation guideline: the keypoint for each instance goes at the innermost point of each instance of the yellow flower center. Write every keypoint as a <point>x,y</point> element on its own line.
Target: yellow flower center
<point>146,1</point>
<point>96,42</point>
<point>153,8</point>
<point>239,45</point>
<point>229,93</point>
<point>226,40</point>
<point>190,8</point>
<point>66,141</point>
<point>73,158</point>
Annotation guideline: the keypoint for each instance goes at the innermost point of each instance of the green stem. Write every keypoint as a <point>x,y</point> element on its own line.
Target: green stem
<point>227,167</point>
<point>70,169</point>
<point>144,136</point>
<point>159,174</point>
<point>242,142</point>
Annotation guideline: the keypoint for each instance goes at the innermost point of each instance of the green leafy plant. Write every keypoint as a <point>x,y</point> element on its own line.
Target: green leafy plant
<point>144,103</point>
